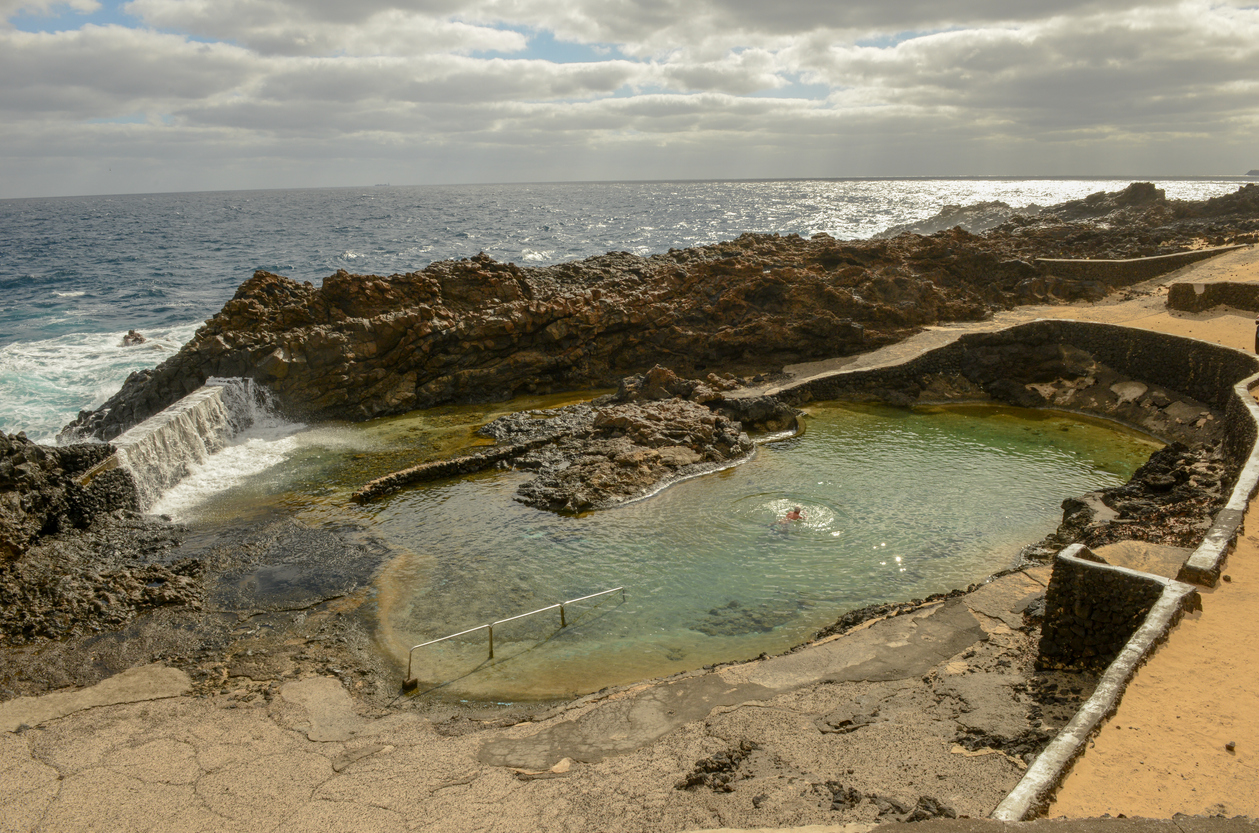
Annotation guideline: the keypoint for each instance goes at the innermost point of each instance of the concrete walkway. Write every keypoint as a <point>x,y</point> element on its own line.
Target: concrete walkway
<point>310,759</point>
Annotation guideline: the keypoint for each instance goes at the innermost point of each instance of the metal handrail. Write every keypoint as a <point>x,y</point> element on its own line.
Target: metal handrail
<point>410,682</point>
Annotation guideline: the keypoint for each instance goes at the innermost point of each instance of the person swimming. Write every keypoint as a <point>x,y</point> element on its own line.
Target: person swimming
<point>783,524</point>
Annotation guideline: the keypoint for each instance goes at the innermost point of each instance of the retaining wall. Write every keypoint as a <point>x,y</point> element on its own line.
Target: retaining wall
<point>1092,608</point>
<point>1095,610</point>
<point>1129,271</point>
<point>1199,297</point>
<point>1203,371</point>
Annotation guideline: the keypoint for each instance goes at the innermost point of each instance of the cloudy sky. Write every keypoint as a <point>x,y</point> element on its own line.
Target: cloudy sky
<point>173,95</point>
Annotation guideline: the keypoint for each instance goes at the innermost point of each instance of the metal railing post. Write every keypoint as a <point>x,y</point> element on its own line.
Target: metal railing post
<point>411,682</point>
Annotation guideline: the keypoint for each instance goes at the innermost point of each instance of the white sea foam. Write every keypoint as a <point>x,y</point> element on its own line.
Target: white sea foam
<point>69,294</point>
<point>535,255</point>
<point>251,453</point>
<point>44,384</point>
<point>267,444</point>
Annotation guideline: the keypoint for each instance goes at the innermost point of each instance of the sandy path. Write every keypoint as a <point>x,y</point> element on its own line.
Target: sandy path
<point>1164,752</point>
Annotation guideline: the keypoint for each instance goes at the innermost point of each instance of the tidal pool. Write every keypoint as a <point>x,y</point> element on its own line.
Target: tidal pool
<point>897,505</point>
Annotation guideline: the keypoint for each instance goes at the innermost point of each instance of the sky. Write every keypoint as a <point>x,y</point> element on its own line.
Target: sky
<point>104,97</point>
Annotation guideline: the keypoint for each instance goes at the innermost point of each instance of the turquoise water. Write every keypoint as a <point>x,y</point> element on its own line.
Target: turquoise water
<point>897,505</point>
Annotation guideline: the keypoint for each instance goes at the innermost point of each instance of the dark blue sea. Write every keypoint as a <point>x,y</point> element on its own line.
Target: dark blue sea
<point>76,273</point>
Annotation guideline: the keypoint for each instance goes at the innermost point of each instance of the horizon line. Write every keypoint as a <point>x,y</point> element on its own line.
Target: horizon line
<point>665,180</point>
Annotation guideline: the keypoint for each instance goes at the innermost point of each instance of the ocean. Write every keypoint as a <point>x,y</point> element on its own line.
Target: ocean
<point>76,273</point>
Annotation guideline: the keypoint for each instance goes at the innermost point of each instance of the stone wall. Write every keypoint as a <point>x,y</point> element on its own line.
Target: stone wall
<point>1129,271</point>
<point>1199,297</point>
<point>1092,609</point>
<point>1242,420</point>
<point>1203,371</point>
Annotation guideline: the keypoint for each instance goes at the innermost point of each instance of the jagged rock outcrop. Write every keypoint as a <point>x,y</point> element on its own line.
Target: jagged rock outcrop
<point>657,429</point>
<point>39,493</point>
<point>73,557</point>
<point>476,330</point>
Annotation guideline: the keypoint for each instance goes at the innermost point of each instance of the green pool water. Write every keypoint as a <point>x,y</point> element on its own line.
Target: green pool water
<point>898,504</point>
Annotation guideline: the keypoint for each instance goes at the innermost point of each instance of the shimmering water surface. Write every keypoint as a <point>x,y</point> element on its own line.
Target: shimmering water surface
<point>897,505</point>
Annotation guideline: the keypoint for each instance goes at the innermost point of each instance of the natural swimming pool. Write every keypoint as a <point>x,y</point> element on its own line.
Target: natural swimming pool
<point>897,504</point>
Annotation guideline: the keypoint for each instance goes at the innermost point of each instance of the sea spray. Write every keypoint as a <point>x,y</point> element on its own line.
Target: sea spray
<point>169,446</point>
<point>44,383</point>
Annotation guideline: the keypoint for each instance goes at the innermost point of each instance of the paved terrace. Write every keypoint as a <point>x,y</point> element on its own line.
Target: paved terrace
<point>136,753</point>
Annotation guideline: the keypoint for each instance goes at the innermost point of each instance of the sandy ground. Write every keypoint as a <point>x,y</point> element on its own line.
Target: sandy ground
<point>1166,749</point>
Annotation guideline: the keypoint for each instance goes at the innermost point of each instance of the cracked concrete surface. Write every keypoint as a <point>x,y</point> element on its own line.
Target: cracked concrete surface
<point>308,757</point>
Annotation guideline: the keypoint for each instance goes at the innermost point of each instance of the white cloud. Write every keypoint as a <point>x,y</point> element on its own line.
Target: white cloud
<point>9,8</point>
<point>281,88</point>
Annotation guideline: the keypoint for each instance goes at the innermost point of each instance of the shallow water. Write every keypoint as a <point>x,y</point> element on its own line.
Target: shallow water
<point>898,504</point>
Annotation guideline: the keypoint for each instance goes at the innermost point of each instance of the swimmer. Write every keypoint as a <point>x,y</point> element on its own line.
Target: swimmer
<point>794,515</point>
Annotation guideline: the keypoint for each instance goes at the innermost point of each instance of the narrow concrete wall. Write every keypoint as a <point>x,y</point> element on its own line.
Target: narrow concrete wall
<point>1129,271</point>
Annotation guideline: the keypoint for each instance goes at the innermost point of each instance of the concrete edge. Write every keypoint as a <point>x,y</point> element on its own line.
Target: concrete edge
<point>154,423</point>
<point>1191,256</point>
<point>1034,791</point>
<point>1205,564</point>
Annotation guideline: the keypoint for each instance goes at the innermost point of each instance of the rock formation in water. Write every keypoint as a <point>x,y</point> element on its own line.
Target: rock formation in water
<point>476,330</point>
<point>657,429</point>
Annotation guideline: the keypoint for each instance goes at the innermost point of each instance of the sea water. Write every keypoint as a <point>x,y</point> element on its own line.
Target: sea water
<point>76,273</point>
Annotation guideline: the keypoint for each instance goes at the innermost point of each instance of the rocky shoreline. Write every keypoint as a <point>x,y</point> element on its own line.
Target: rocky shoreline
<point>476,330</point>
<point>79,563</point>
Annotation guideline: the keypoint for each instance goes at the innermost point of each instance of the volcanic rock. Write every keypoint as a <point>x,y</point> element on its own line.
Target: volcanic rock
<point>75,557</point>
<point>475,330</point>
<point>39,493</point>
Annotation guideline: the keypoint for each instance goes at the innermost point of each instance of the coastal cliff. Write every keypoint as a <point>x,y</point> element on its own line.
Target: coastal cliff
<point>476,330</point>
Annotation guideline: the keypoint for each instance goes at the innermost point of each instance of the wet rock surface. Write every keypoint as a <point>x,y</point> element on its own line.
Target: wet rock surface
<point>657,429</point>
<point>476,330</point>
<point>1171,500</point>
